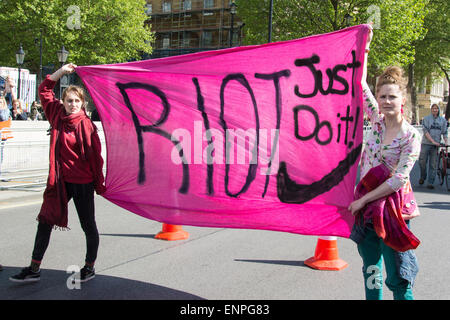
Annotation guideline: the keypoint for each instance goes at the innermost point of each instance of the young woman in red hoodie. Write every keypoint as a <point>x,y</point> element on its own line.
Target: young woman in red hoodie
<point>75,172</point>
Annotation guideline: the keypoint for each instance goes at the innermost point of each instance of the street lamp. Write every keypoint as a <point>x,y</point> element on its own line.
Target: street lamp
<point>270,20</point>
<point>20,55</point>
<point>240,26</point>
<point>62,58</point>
<point>233,7</point>
<point>62,55</point>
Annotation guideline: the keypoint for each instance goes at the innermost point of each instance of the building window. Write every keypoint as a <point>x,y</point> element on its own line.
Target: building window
<point>167,7</point>
<point>186,39</point>
<point>187,5</point>
<point>148,9</point>
<point>208,3</point>
<point>166,42</point>
<point>207,38</point>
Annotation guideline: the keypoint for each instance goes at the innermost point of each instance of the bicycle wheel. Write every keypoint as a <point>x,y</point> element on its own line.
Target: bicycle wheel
<point>446,181</point>
<point>441,169</point>
<point>446,171</point>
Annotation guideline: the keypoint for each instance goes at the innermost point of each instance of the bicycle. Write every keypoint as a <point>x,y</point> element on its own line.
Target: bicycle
<point>443,170</point>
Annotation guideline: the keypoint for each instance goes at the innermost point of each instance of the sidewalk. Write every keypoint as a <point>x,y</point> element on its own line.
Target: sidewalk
<point>13,198</point>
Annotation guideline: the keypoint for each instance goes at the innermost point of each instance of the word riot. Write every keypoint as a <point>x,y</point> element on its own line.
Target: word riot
<point>220,141</point>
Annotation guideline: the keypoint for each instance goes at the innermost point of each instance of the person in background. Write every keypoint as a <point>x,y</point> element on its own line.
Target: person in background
<point>35,115</point>
<point>10,94</point>
<point>75,172</point>
<point>18,112</point>
<point>4,117</point>
<point>5,114</point>
<point>5,122</point>
<point>434,126</point>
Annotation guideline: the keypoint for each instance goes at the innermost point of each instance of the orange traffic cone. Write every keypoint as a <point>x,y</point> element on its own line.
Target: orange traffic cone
<point>172,232</point>
<point>326,256</point>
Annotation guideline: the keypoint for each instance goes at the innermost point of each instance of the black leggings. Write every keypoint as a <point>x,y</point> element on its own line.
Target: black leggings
<point>83,197</point>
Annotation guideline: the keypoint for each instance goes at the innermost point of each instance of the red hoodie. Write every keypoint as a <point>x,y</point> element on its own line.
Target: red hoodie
<point>75,155</point>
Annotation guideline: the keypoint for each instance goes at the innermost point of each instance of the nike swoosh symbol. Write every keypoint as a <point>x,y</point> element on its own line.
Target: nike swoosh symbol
<point>291,192</point>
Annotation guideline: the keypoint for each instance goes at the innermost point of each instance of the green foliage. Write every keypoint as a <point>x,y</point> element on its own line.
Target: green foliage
<point>93,31</point>
<point>433,51</point>
<point>401,26</point>
<point>397,24</point>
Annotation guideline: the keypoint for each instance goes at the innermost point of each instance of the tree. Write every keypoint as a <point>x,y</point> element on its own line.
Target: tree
<point>397,24</point>
<point>94,32</point>
<point>433,51</point>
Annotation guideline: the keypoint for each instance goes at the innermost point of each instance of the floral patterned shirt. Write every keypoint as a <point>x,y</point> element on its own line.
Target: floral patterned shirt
<point>399,156</point>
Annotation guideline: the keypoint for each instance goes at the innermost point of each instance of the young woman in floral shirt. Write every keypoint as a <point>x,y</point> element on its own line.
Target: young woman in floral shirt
<point>393,142</point>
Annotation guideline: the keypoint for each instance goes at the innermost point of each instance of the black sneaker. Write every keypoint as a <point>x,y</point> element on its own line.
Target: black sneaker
<point>26,275</point>
<point>86,274</point>
<point>421,181</point>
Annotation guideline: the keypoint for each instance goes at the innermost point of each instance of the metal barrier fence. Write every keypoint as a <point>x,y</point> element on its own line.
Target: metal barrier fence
<point>25,157</point>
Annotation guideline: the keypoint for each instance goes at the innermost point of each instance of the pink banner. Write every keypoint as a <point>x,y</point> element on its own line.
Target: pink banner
<point>258,137</point>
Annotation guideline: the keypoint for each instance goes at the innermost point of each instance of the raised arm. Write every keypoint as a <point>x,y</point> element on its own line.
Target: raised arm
<point>50,104</point>
<point>10,84</point>
<point>370,105</point>
<point>65,69</point>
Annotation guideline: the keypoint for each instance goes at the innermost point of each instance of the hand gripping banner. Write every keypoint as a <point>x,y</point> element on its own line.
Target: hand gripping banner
<point>258,137</point>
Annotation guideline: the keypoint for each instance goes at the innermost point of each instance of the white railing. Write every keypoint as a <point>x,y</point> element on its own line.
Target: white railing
<point>25,157</point>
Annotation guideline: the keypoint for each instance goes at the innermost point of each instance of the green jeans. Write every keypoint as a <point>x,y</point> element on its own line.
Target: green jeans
<point>372,251</point>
